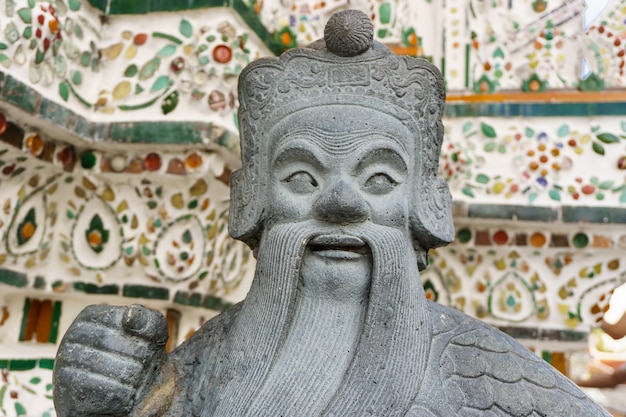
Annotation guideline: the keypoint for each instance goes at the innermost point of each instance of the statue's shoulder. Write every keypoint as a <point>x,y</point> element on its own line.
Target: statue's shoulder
<point>484,372</point>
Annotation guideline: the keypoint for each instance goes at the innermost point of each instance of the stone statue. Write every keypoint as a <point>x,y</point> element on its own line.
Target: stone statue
<point>339,199</point>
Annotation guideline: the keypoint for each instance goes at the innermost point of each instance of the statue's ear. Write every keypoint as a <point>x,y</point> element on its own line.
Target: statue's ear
<point>246,209</point>
<point>431,213</point>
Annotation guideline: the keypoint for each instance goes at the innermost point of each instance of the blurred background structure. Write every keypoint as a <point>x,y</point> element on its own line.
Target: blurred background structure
<point>118,134</point>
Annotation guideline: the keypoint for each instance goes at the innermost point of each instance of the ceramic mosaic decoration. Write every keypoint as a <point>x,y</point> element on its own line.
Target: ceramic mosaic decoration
<point>131,106</point>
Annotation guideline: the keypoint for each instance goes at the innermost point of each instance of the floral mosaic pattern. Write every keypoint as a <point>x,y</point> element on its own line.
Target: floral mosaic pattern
<point>532,46</point>
<point>142,223</point>
<point>507,275</point>
<point>52,42</point>
<point>192,64</point>
<point>26,389</point>
<point>511,160</point>
<point>105,227</point>
<point>199,64</point>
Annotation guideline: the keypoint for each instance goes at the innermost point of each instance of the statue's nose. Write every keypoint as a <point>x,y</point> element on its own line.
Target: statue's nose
<point>341,204</point>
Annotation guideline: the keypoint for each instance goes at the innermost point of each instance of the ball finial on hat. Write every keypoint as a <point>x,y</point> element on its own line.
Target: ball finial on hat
<point>349,33</point>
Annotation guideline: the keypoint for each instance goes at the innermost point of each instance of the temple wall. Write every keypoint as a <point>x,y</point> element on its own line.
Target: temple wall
<point>118,134</point>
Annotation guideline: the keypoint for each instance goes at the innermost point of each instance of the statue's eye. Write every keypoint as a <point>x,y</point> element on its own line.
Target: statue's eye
<point>301,182</point>
<point>379,183</point>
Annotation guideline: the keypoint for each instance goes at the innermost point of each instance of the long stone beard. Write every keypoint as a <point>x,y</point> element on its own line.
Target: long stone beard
<point>391,356</point>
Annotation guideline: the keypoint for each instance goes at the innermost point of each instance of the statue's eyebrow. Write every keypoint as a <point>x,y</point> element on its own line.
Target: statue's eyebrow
<point>375,152</point>
<point>296,151</point>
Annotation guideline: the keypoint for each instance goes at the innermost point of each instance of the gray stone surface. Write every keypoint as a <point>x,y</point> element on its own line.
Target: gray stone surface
<point>338,197</point>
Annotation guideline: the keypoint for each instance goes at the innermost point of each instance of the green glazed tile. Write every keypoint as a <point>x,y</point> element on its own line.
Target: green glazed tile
<point>89,288</point>
<point>488,211</point>
<point>526,109</point>
<point>457,110</point>
<point>169,5</point>
<point>450,111</point>
<point>182,298</point>
<point>82,127</point>
<point>158,132</point>
<point>545,214</point>
<point>509,212</point>
<point>111,289</point>
<point>21,95</point>
<point>100,4</point>
<point>188,299</point>
<point>100,131</point>
<point>22,364</point>
<point>129,6</point>
<point>15,279</point>
<point>487,109</point>
<point>538,110</point>
<point>195,299</point>
<point>46,363</point>
<point>586,214</point>
<point>215,303</point>
<point>607,109</point>
<point>54,326</point>
<point>514,109</point>
<point>4,363</point>
<point>145,6</point>
<point>577,109</point>
<point>58,114</point>
<point>533,333</point>
<point>25,310</point>
<point>618,215</point>
<point>40,283</point>
<point>534,109</point>
<point>143,291</point>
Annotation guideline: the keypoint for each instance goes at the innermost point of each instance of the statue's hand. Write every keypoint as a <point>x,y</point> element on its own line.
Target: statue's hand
<point>107,360</point>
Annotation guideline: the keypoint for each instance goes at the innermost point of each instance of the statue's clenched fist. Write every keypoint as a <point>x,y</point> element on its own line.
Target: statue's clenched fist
<point>107,359</point>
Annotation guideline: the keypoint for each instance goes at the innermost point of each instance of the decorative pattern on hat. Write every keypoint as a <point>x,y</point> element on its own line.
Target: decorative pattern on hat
<point>410,89</point>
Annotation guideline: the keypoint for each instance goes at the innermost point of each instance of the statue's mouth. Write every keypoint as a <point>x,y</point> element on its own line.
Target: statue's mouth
<point>339,246</point>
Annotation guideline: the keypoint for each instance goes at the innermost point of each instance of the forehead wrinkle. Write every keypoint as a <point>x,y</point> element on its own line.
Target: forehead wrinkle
<point>346,143</point>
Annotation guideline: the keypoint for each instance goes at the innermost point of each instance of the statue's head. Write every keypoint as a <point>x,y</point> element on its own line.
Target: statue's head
<point>342,132</point>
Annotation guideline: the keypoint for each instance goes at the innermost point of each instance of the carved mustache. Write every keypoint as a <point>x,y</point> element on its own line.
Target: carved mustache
<point>339,242</point>
<point>365,238</point>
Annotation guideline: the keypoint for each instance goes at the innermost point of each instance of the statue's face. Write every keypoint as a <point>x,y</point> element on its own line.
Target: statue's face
<point>340,167</point>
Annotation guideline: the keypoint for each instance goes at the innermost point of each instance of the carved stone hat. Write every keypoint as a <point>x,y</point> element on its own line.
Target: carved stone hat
<point>347,67</point>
